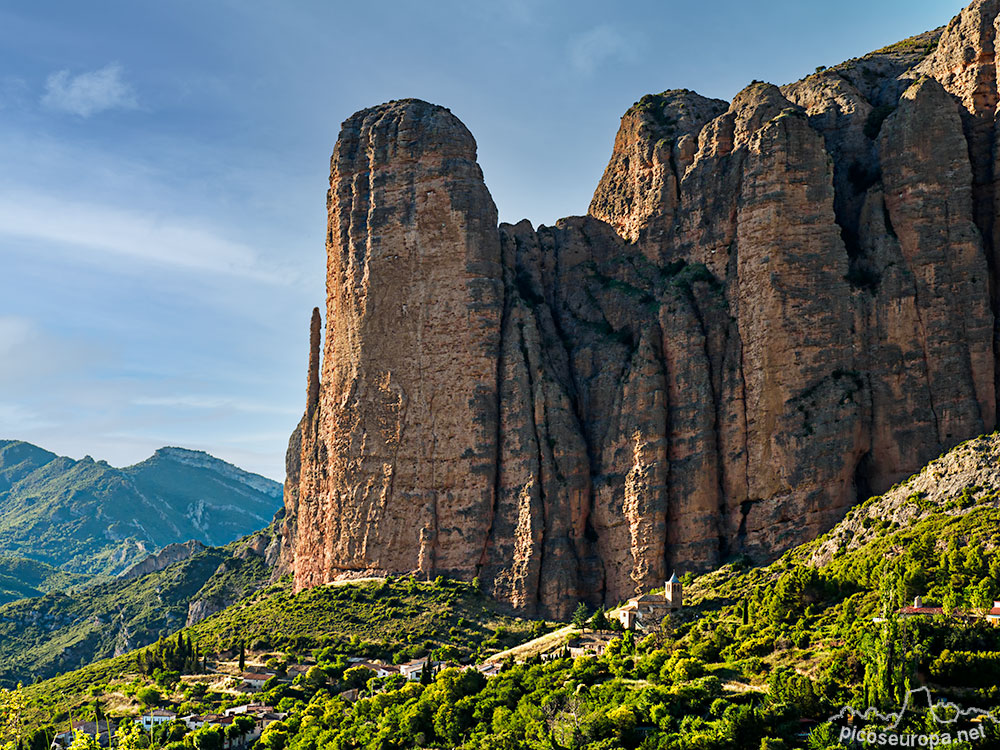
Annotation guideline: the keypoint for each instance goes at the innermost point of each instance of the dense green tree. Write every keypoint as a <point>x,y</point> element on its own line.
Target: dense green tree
<point>84,741</point>
<point>148,696</point>
<point>599,621</point>
<point>209,737</point>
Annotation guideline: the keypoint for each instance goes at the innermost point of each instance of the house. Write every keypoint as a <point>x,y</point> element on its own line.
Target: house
<point>380,669</point>
<point>261,714</point>
<point>919,609</point>
<point>156,717</point>
<point>249,708</point>
<point>412,670</point>
<point>647,611</point>
<point>103,730</point>
<point>489,669</point>
<point>255,680</point>
<point>194,721</point>
<point>587,645</point>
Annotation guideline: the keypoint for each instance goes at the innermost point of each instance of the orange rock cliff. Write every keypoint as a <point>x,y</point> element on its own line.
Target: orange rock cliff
<point>773,309</point>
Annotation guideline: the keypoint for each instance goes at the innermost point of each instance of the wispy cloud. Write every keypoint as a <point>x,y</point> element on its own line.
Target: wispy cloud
<point>14,331</point>
<point>89,93</point>
<point>135,234</point>
<point>592,49</point>
<point>15,419</point>
<point>13,90</point>
<point>194,401</point>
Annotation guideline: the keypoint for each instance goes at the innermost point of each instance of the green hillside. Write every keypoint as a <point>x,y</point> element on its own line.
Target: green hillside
<point>64,630</point>
<point>397,618</point>
<point>394,620</point>
<point>21,578</point>
<point>89,518</point>
<point>758,657</point>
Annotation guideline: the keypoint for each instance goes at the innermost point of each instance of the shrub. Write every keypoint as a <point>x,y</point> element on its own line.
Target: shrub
<point>148,696</point>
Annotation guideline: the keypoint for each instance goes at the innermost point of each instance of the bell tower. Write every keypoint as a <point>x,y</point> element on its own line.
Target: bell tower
<point>673,592</point>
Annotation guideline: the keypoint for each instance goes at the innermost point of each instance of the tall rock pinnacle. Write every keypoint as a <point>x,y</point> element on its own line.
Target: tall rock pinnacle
<point>404,460</point>
<point>312,397</point>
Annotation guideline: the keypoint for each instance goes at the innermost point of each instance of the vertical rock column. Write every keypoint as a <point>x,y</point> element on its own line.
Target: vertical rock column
<point>802,391</point>
<point>400,472</point>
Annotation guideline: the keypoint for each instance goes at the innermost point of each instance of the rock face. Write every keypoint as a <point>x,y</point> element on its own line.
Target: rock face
<point>167,556</point>
<point>775,308</point>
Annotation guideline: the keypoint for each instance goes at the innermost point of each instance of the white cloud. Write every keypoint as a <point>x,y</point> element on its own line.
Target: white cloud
<point>89,93</point>
<point>136,234</point>
<point>592,49</point>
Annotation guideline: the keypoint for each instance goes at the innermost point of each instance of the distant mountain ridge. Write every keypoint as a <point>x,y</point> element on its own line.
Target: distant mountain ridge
<point>92,519</point>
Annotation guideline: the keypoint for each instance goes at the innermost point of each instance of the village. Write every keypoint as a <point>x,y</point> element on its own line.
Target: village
<point>243,723</point>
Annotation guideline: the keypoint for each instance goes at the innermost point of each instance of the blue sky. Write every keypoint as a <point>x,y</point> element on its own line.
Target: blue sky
<point>165,164</point>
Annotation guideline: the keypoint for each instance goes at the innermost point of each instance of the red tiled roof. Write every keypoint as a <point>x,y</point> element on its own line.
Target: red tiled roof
<point>922,611</point>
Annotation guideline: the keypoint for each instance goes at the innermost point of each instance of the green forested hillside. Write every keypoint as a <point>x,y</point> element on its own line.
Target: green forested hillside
<point>759,657</point>
<point>21,578</point>
<point>64,630</point>
<point>397,618</point>
<point>92,519</point>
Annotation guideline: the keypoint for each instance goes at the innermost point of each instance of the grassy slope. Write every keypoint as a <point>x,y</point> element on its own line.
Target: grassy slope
<point>21,578</point>
<point>391,615</point>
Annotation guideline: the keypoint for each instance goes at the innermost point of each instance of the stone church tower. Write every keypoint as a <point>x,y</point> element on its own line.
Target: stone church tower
<point>673,592</point>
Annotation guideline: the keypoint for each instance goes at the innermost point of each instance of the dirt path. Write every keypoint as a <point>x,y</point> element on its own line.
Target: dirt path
<point>538,645</point>
<point>543,643</point>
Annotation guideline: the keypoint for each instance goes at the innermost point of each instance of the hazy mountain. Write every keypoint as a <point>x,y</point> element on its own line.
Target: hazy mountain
<point>90,518</point>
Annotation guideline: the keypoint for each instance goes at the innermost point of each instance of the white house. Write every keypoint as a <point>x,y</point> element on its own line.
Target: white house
<point>489,669</point>
<point>255,680</point>
<point>412,670</point>
<point>156,717</point>
<point>249,708</point>
<point>380,669</point>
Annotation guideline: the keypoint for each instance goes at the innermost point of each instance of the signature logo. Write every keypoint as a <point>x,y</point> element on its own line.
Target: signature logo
<point>944,713</point>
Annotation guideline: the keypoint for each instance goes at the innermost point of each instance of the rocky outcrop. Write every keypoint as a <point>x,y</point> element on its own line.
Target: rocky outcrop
<point>774,309</point>
<point>167,556</point>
